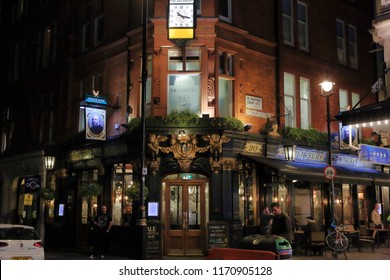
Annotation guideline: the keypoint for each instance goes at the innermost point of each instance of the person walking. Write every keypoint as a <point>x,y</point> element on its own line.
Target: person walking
<point>102,225</point>
<point>281,223</point>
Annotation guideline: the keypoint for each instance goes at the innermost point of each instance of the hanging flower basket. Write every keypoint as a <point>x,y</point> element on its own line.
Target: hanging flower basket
<point>48,194</point>
<point>90,189</point>
<point>133,192</point>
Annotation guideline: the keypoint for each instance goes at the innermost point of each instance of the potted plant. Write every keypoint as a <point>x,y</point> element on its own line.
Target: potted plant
<point>90,189</point>
<point>133,191</point>
<point>48,194</point>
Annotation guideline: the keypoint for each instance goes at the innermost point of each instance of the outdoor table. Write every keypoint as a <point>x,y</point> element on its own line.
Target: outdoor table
<point>385,232</point>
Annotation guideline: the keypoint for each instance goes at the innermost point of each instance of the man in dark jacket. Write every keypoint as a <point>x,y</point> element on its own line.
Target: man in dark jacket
<point>281,224</point>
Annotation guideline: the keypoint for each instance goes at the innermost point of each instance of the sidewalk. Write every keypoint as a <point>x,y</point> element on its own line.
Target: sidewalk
<point>380,254</point>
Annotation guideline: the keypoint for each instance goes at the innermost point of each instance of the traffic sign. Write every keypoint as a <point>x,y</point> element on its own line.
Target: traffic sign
<point>329,172</point>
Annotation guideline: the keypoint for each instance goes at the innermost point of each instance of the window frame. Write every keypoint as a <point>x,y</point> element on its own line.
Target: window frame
<point>305,29</point>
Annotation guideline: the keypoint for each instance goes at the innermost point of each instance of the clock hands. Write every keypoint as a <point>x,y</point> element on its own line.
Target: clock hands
<point>182,16</point>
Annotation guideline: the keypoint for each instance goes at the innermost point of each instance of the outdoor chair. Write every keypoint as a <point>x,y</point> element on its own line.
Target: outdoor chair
<point>366,239</point>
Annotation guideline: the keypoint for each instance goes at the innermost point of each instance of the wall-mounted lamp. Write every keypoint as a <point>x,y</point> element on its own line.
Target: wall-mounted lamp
<point>247,126</point>
<point>289,152</point>
<point>49,162</point>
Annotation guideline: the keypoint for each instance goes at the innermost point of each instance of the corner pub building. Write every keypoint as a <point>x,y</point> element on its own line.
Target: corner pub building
<point>205,177</point>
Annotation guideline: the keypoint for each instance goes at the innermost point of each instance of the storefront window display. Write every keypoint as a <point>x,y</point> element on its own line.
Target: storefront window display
<point>318,205</point>
<point>123,179</point>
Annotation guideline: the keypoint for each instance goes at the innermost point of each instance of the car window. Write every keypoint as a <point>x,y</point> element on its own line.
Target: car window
<point>18,234</point>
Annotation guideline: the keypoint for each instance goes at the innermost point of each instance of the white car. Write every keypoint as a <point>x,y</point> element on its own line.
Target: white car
<point>20,242</point>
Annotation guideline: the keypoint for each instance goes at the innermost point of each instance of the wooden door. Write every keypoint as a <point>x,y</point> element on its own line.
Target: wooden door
<point>184,219</point>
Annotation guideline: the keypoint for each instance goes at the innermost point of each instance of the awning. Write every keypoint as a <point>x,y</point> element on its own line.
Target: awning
<point>371,113</point>
<point>315,172</point>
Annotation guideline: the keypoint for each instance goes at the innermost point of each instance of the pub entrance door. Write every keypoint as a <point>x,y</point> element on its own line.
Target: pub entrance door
<point>185,206</point>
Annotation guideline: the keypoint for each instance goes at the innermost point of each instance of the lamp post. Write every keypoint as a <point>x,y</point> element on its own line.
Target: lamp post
<point>327,91</point>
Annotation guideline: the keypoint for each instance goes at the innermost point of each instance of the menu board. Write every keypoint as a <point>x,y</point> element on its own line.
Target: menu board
<point>153,241</point>
<point>218,235</point>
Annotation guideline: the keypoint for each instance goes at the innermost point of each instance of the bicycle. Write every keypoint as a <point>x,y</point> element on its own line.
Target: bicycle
<point>336,240</point>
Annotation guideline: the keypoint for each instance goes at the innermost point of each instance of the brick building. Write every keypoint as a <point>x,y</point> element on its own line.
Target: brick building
<point>259,62</point>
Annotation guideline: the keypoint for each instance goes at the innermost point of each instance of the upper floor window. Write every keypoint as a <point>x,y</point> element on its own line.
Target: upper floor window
<point>92,24</point>
<point>355,100</point>
<point>304,90</point>
<point>148,97</point>
<point>226,64</point>
<point>226,81</point>
<point>287,15</point>
<point>187,61</point>
<point>289,100</point>
<point>353,59</point>
<point>303,36</point>
<point>225,10</point>
<point>343,99</point>
<point>340,33</point>
<point>198,6</point>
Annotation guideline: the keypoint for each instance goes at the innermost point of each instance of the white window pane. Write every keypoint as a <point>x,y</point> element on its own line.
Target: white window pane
<point>305,117</point>
<point>343,100</point>
<point>184,92</point>
<point>355,99</point>
<point>225,98</point>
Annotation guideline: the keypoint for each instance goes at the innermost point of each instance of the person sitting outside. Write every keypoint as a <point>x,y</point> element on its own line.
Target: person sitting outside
<point>281,223</point>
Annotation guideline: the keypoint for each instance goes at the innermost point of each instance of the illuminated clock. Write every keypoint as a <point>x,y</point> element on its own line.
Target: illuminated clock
<point>181,16</point>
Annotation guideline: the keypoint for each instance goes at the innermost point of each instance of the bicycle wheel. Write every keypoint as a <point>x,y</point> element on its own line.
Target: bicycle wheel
<point>337,242</point>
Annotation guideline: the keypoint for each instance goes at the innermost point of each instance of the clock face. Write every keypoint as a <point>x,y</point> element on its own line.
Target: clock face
<point>181,16</point>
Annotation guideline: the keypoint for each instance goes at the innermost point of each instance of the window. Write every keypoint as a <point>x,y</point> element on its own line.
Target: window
<point>198,6</point>
<point>302,26</point>
<point>122,180</point>
<point>225,10</point>
<point>184,92</point>
<point>148,99</point>
<point>304,89</point>
<point>340,33</point>
<point>190,61</point>
<point>84,90</point>
<point>355,100</point>
<point>287,14</point>
<point>343,100</point>
<point>99,23</point>
<point>226,64</point>
<point>86,28</point>
<point>225,97</point>
<point>289,100</point>
<point>353,59</point>
<point>225,84</point>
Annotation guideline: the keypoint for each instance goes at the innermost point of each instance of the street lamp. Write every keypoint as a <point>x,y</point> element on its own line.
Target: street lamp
<point>327,91</point>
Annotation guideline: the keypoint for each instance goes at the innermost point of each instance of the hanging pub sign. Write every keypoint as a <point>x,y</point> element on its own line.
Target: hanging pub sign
<point>348,137</point>
<point>31,184</point>
<point>95,128</point>
<point>95,98</point>
<point>181,22</point>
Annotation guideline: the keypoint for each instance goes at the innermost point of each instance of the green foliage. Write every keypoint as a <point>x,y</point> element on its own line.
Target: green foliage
<point>182,118</point>
<point>186,118</point>
<point>311,136</point>
<point>133,192</point>
<point>48,194</point>
<point>90,189</point>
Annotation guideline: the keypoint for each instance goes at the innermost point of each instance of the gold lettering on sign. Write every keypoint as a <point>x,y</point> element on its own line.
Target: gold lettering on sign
<point>254,148</point>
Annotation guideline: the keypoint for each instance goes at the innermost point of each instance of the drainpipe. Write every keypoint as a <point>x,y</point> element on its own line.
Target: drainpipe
<point>277,66</point>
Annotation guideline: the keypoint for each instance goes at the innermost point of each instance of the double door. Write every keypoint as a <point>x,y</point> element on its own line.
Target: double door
<point>184,218</point>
